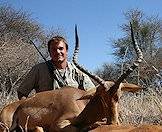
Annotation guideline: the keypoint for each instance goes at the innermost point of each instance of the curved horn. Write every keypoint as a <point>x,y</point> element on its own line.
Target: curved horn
<point>75,56</point>
<point>135,64</point>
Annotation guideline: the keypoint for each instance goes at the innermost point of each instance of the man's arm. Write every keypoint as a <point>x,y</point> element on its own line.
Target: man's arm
<point>29,83</point>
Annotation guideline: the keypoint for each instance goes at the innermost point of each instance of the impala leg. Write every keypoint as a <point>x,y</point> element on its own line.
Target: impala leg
<point>38,129</point>
<point>63,123</point>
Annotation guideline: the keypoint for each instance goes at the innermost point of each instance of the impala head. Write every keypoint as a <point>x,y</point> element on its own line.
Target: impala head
<point>107,94</point>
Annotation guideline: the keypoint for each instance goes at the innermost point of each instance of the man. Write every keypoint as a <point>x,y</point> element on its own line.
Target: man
<point>55,73</point>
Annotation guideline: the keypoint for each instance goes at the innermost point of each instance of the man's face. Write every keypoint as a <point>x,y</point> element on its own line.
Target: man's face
<point>58,52</point>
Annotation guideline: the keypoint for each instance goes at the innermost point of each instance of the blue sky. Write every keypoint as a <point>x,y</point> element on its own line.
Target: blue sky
<point>97,20</point>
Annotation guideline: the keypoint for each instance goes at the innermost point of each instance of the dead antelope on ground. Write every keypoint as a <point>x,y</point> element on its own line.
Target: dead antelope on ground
<point>68,109</point>
<point>63,97</point>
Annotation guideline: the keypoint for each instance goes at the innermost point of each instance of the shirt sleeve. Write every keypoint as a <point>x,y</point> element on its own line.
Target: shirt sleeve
<point>83,80</point>
<point>29,83</point>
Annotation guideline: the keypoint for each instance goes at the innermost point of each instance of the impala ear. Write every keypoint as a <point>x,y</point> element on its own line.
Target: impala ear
<point>130,87</point>
<point>89,94</point>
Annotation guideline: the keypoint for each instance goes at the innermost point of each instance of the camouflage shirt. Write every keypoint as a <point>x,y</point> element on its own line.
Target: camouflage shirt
<point>39,79</point>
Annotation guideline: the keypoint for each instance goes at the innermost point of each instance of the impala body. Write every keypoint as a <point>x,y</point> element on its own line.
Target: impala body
<point>62,104</point>
<point>51,109</point>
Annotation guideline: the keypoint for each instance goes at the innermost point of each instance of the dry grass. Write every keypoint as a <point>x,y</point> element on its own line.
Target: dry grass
<point>144,107</point>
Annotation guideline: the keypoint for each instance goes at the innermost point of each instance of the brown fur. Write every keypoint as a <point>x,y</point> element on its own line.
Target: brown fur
<point>117,128</point>
<point>8,112</point>
<point>54,110</point>
<point>128,128</point>
<point>103,105</point>
<point>51,109</point>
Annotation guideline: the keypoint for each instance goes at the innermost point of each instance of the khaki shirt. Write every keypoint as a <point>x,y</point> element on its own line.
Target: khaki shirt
<point>39,79</point>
